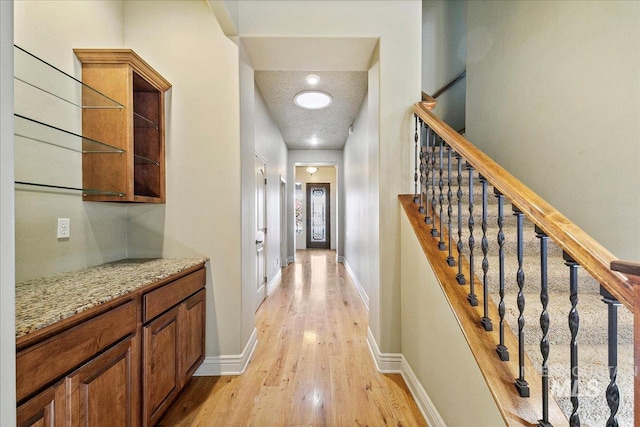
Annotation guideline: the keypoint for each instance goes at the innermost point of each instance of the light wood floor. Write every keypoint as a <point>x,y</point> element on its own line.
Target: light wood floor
<point>311,366</point>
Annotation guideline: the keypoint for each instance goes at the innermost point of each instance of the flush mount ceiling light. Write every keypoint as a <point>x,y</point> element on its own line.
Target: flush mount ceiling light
<point>312,169</point>
<point>312,100</point>
<point>312,79</point>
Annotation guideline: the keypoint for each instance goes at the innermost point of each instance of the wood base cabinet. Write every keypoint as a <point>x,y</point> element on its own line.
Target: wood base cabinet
<point>173,349</point>
<point>122,366</point>
<point>193,315</point>
<point>101,393</point>
<point>161,353</point>
<point>44,410</point>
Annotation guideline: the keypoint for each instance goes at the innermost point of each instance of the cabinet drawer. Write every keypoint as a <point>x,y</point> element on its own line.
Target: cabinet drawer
<point>44,362</point>
<point>165,297</point>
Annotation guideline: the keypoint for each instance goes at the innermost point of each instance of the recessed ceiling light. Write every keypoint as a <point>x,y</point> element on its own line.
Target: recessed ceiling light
<point>313,100</point>
<point>312,79</point>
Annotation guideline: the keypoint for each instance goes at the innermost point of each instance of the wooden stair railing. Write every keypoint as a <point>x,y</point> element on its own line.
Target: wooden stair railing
<point>514,410</point>
<point>591,255</point>
<point>433,192</point>
<point>430,101</point>
<point>449,85</point>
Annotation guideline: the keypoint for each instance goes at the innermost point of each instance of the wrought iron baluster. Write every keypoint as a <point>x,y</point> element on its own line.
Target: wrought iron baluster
<point>574,326</point>
<point>423,168</point>
<point>460,276</point>
<point>521,383</point>
<point>427,163</point>
<point>434,202</point>
<point>415,162</point>
<point>544,325</point>
<point>450,261</point>
<point>501,349</point>
<point>441,244</point>
<point>613,394</point>
<point>472,298</point>
<point>486,320</point>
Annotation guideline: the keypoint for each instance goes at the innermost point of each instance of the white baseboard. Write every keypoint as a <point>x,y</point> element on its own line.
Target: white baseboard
<point>275,281</point>
<point>395,363</point>
<point>386,363</point>
<point>356,283</point>
<point>290,260</point>
<point>229,364</point>
<point>340,258</point>
<point>426,406</point>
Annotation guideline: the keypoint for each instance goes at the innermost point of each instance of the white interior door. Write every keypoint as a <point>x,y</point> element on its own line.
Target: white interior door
<point>261,230</point>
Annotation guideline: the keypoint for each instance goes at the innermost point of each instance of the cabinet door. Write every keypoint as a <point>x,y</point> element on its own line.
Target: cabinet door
<point>160,367</point>
<point>192,335</point>
<point>43,410</point>
<point>104,391</point>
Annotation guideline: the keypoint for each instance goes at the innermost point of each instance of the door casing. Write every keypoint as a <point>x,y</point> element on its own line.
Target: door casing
<point>327,243</point>
<point>261,229</point>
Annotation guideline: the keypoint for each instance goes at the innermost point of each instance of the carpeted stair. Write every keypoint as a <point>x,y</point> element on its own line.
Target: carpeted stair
<point>592,335</point>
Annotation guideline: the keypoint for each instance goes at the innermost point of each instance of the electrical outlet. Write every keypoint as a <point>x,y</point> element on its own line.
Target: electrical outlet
<point>64,228</point>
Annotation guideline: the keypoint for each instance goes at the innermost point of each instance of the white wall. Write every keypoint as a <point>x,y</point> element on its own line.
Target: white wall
<point>247,155</point>
<point>444,56</point>
<point>553,95</point>
<point>7,261</point>
<point>398,25</point>
<point>325,174</point>
<point>98,230</point>
<point>361,188</point>
<point>259,135</point>
<point>435,347</point>
<point>202,216</point>
<point>317,158</point>
<point>271,146</point>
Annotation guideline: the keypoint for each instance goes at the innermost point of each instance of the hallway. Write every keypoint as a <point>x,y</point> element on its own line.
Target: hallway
<point>311,366</point>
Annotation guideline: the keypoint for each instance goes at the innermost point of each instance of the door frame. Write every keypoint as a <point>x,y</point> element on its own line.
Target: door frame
<point>283,222</point>
<point>318,245</point>
<point>261,291</point>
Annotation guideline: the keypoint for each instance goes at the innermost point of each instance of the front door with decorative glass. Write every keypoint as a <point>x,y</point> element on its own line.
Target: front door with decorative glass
<point>318,216</point>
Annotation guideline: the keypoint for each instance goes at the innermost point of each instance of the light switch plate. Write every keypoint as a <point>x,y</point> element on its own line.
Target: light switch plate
<point>64,228</point>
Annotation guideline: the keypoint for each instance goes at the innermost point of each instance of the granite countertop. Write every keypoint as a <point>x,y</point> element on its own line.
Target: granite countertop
<point>44,301</point>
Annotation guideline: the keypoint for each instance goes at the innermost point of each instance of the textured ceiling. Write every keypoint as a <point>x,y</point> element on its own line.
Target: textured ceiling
<point>325,129</point>
<point>310,53</point>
